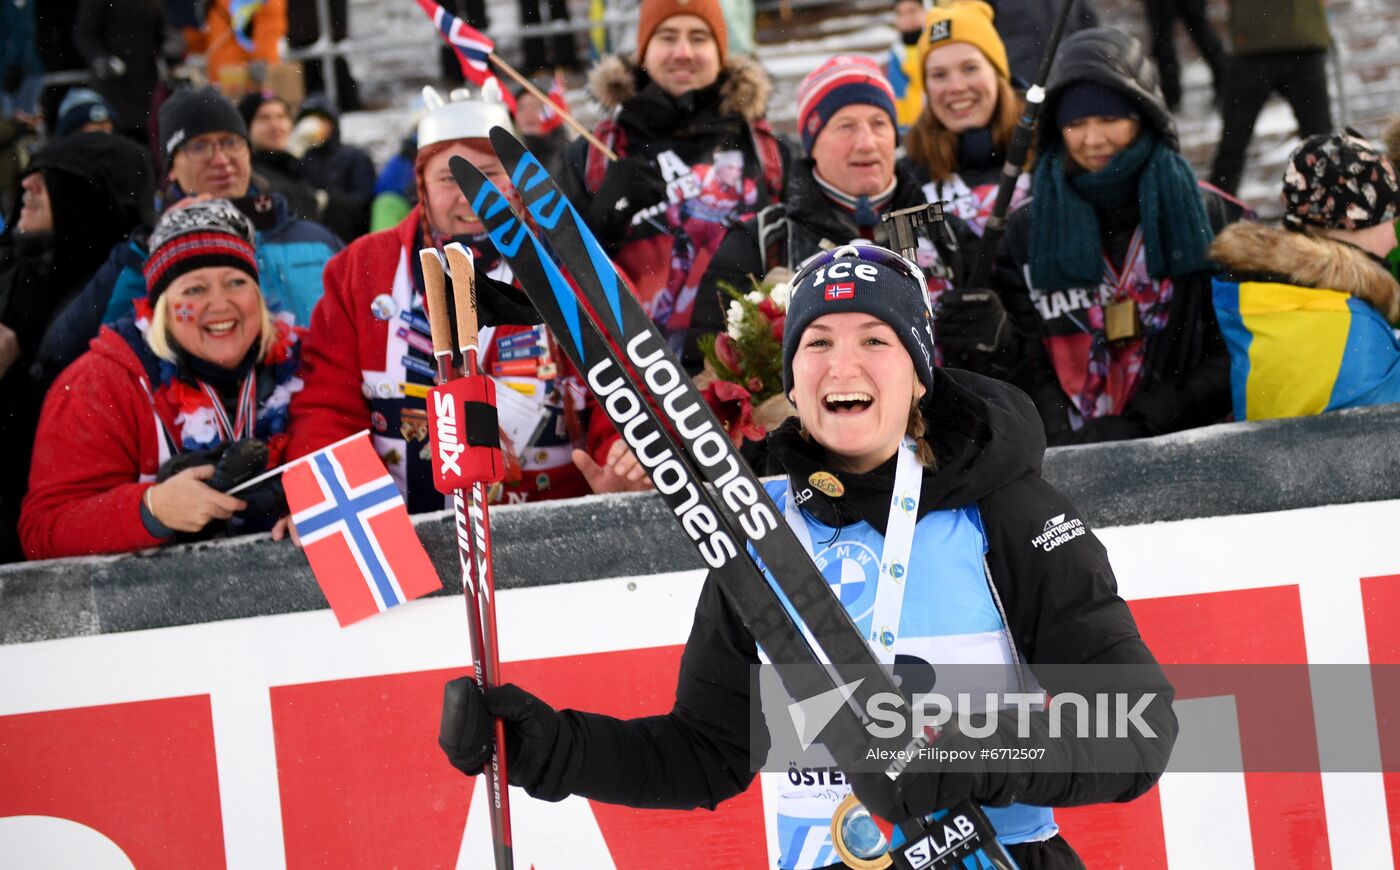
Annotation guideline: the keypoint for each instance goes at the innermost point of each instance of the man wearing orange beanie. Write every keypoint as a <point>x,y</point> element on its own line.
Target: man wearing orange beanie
<point>682,114</point>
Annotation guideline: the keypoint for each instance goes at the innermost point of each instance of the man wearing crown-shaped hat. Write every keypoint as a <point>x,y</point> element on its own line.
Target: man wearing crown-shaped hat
<point>368,360</point>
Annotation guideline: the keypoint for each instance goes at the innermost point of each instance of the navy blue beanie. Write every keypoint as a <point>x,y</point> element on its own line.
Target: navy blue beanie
<point>1086,99</point>
<point>849,282</point>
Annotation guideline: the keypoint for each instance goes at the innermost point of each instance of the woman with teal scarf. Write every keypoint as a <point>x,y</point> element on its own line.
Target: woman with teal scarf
<point>1105,273</point>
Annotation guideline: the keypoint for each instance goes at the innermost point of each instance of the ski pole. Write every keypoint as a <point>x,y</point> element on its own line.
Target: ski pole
<point>450,404</point>
<point>459,260</point>
<point>1016,156</point>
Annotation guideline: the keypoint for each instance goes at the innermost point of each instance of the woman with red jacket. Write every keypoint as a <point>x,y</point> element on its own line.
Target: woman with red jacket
<point>169,406</point>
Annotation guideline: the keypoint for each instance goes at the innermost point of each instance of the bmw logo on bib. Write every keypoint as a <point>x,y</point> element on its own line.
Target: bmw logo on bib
<point>852,570</point>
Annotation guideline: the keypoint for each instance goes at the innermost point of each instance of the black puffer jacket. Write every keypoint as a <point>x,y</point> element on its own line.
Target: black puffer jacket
<point>344,172</point>
<point>1061,605</point>
<point>100,186</point>
<point>133,31</point>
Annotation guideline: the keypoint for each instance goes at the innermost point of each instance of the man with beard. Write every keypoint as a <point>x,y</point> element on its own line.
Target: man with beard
<point>369,356</point>
<point>678,108</point>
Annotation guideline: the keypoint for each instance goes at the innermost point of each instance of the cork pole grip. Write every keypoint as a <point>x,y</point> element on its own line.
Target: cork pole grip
<point>459,261</point>
<point>435,287</point>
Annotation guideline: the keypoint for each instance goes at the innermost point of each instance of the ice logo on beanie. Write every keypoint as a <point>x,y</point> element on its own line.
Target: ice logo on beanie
<point>174,141</point>
<point>940,30</point>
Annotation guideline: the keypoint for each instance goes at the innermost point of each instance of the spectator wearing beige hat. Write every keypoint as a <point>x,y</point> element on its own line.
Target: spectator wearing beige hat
<point>683,117</point>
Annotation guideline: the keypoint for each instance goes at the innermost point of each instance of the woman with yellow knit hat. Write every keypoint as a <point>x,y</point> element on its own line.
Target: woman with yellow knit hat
<point>970,111</point>
<point>956,149</point>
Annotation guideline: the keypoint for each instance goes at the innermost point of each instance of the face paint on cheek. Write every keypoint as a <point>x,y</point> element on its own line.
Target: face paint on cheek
<point>184,312</point>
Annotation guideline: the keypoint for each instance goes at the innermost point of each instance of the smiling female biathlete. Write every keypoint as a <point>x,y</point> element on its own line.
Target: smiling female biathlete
<point>201,365</point>
<point>985,585</point>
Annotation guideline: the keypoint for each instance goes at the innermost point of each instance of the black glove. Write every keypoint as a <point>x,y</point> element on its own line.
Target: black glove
<point>240,460</point>
<point>630,185</point>
<point>13,76</point>
<point>924,787</point>
<point>498,303</point>
<point>108,67</point>
<point>973,329</point>
<point>189,459</point>
<point>532,728</point>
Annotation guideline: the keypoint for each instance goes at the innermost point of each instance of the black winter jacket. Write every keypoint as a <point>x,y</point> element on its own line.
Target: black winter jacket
<point>1061,605</point>
<point>100,186</point>
<point>135,32</point>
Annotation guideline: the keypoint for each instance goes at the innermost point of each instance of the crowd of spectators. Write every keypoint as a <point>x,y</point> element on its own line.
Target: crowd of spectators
<point>188,270</point>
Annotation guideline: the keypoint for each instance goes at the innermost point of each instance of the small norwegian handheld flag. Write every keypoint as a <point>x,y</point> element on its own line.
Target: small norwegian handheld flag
<point>550,118</point>
<point>355,530</point>
<point>471,45</point>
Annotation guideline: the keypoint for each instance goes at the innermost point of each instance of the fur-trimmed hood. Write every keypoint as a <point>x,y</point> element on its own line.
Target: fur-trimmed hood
<point>744,85</point>
<point>1245,249</point>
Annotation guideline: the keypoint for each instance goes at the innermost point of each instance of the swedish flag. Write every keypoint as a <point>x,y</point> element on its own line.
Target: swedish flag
<point>1297,351</point>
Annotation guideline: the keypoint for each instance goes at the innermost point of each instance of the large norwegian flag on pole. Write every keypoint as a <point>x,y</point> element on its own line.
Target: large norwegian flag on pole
<point>472,46</point>
<point>355,530</point>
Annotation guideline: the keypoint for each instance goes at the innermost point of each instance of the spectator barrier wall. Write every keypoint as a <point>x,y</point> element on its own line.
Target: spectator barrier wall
<point>198,707</point>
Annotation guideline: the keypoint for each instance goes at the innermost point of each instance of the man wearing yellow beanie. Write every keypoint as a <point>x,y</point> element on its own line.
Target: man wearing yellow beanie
<point>678,111</point>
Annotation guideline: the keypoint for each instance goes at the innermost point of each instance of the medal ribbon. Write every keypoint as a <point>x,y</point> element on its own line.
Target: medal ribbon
<point>1119,281</point>
<point>894,554</point>
<point>242,426</point>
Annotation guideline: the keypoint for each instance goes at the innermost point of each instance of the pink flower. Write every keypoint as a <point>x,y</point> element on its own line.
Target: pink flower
<point>728,353</point>
<point>731,404</point>
<point>777,328</point>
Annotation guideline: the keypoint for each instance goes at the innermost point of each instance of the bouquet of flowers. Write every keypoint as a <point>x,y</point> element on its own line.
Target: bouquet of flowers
<point>743,376</point>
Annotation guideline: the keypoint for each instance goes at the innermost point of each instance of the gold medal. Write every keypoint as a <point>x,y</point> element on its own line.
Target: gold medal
<point>825,481</point>
<point>858,840</point>
<point>1121,322</point>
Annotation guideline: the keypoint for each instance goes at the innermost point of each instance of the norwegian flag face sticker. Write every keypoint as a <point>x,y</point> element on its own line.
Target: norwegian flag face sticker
<point>845,290</point>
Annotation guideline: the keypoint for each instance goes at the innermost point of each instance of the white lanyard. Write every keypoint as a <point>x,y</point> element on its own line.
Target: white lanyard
<point>894,556</point>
